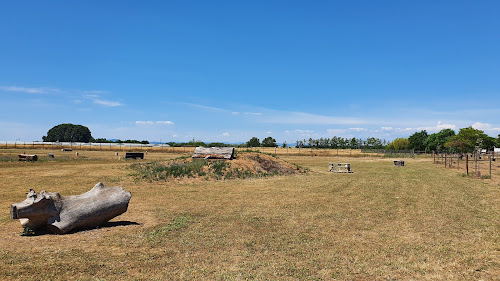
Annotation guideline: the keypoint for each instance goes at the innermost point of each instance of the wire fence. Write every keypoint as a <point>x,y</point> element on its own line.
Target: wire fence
<point>292,151</point>
<point>475,164</point>
<point>94,146</point>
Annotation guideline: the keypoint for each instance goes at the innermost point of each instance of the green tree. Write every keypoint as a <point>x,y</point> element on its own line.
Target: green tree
<point>373,143</point>
<point>253,142</point>
<point>417,140</point>
<point>436,141</point>
<point>353,143</point>
<point>68,133</point>
<point>284,144</point>
<point>269,142</point>
<point>470,140</point>
<point>399,144</point>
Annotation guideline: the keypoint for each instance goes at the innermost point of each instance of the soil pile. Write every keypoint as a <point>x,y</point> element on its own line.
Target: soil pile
<point>245,165</point>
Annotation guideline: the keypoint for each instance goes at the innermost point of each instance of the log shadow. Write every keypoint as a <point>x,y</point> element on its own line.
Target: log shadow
<point>108,224</point>
<point>44,231</point>
<point>118,223</point>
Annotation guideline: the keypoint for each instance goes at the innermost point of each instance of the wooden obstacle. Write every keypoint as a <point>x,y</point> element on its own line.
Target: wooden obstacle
<point>134,155</point>
<point>399,163</point>
<point>66,149</point>
<point>340,168</point>
<point>27,157</point>
<point>214,152</point>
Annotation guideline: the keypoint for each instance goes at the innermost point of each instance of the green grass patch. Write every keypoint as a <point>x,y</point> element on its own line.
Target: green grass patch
<point>176,224</point>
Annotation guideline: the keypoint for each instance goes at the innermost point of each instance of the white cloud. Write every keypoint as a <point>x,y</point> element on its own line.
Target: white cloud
<point>358,129</point>
<point>144,122</point>
<point>300,131</point>
<point>107,103</point>
<point>387,128</point>
<point>436,128</point>
<point>211,108</point>
<point>165,122</point>
<point>154,122</point>
<point>235,112</point>
<point>269,132</point>
<point>226,134</point>
<point>335,131</point>
<point>253,113</point>
<point>484,127</point>
<point>23,89</point>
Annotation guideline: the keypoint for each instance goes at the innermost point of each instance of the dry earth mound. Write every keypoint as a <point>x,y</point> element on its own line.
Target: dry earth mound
<point>245,165</point>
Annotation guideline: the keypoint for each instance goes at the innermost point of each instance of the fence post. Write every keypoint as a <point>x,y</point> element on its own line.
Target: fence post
<point>467,163</point>
<point>475,164</point>
<point>490,166</point>
<point>445,159</point>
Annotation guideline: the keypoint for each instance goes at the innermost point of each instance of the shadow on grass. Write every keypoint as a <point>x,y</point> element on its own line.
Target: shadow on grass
<point>39,232</point>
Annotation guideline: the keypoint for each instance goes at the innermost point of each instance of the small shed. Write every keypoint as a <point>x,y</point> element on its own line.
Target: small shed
<point>214,152</point>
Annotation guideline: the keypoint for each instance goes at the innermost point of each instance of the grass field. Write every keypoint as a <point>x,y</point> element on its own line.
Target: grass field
<point>419,222</point>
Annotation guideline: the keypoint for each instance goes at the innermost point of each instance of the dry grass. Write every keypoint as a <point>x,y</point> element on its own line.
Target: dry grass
<point>381,223</point>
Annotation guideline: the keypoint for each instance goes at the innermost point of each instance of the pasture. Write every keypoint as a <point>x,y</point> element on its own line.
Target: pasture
<point>420,222</point>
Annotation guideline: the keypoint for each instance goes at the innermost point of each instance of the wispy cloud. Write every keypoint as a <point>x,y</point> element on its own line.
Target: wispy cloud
<point>154,123</point>
<point>358,129</point>
<point>226,134</point>
<point>300,133</point>
<point>440,126</point>
<point>107,103</point>
<point>334,132</point>
<point>253,113</point>
<point>200,106</point>
<point>27,90</point>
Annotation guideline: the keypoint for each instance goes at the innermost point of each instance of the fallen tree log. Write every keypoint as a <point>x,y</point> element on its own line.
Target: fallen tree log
<point>214,152</point>
<point>60,214</point>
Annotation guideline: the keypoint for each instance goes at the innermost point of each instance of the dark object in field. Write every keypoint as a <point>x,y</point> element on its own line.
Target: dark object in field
<point>27,157</point>
<point>399,163</point>
<point>341,168</point>
<point>134,155</point>
<point>51,155</point>
<point>214,152</point>
<point>66,149</point>
<point>59,214</point>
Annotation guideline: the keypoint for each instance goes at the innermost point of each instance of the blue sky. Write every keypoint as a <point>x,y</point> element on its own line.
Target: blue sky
<point>230,70</point>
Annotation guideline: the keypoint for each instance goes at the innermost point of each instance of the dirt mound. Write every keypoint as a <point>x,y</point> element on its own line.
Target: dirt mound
<point>263,163</point>
<point>245,165</point>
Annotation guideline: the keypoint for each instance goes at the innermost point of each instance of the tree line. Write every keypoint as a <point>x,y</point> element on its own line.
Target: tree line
<point>467,140</point>
<point>342,143</point>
